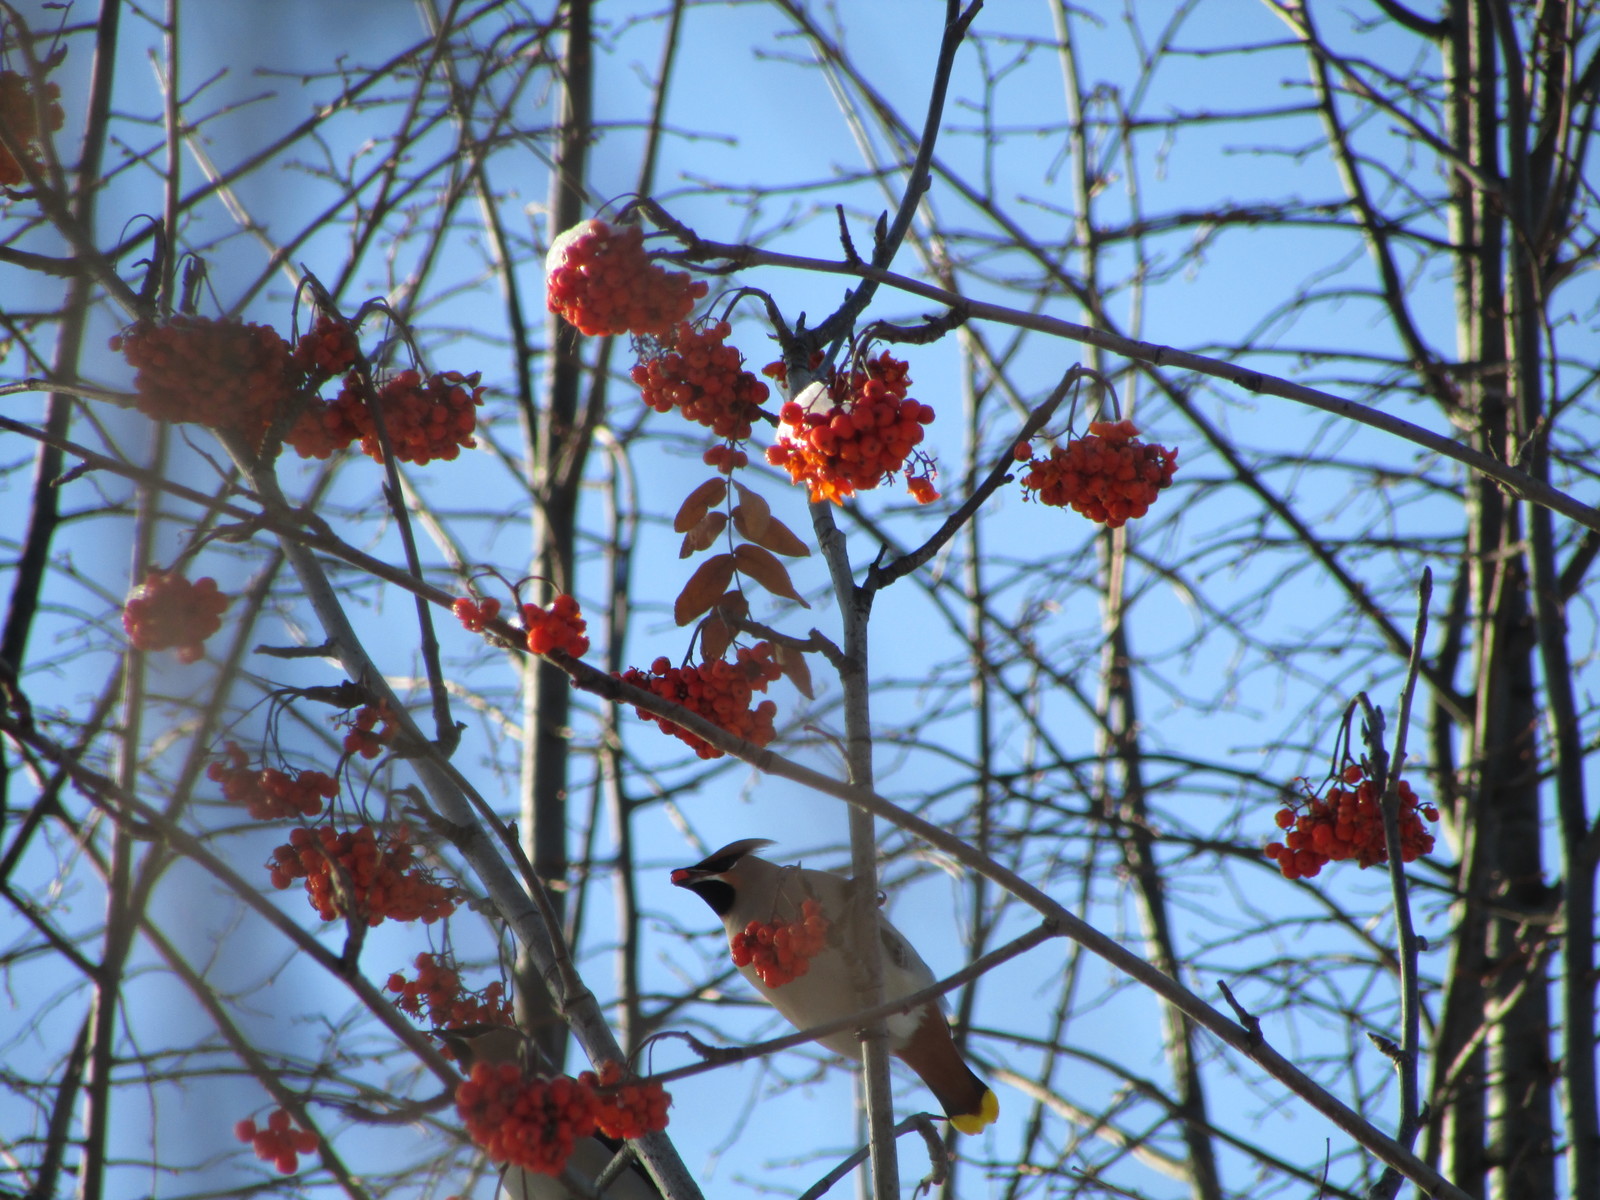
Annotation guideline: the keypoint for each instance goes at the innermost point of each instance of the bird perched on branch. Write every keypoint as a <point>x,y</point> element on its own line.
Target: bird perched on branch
<point>815,983</point>
<point>473,1044</point>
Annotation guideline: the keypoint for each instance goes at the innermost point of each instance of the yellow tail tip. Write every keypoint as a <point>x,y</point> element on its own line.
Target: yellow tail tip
<point>988,1112</point>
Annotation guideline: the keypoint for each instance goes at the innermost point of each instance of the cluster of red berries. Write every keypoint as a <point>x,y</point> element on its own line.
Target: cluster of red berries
<point>224,374</point>
<point>601,280</point>
<point>371,729</point>
<point>19,113</point>
<point>860,429</point>
<point>474,615</point>
<point>279,1143</point>
<point>725,458</point>
<point>626,1108</point>
<point>1109,476</point>
<point>437,995</point>
<point>328,349</point>
<point>534,1123</point>
<point>168,612</point>
<point>781,950</point>
<point>270,794</point>
<point>360,873</point>
<point>424,421</point>
<point>704,379</point>
<point>560,627</point>
<point>1347,824</point>
<point>720,691</point>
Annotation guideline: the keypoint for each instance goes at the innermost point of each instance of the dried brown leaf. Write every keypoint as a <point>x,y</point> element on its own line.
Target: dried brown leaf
<point>777,536</point>
<point>716,635</point>
<point>757,512</point>
<point>698,503</point>
<point>704,534</point>
<point>793,664</point>
<point>766,570</point>
<point>704,588</point>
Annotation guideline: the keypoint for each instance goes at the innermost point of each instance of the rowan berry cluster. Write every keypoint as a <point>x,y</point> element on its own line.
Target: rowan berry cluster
<point>704,379</point>
<point>534,1123</point>
<point>270,794</point>
<point>781,950</point>
<point>858,431</point>
<point>19,114</point>
<point>600,279</point>
<point>424,421</point>
<point>473,614</point>
<point>560,627</point>
<point>437,995</point>
<point>371,729</point>
<point>720,691</point>
<point>626,1108</point>
<point>328,349</point>
<point>1347,824</point>
<point>725,458</point>
<point>223,374</point>
<point>168,612</point>
<point>1109,475</point>
<point>361,874</point>
<point>279,1143</point>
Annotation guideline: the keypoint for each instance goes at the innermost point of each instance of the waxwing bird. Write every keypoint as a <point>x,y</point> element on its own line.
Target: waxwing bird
<point>473,1044</point>
<point>740,888</point>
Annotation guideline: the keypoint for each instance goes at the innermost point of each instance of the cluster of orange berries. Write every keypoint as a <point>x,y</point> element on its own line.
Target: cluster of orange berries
<point>240,378</point>
<point>1347,824</point>
<point>720,691</point>
<point>424,421</point>
<point>270,794</point>
<point>601,280</point>
<point>1109,475</point>
<point>19,113</point>
<point>704,379</point>
<point>279,1143</point>
<point>725,458</point>
<point>473,614</point>
<point>371,729</point>
<point>436,994</point>
<point>376,877</point>
<point>626,1108</point>
<point>781,950</point>
<point>865,433</point>
<point>223,374</point>
<point>560,627</point>
<point>168,612</point>
<point>534,1123</point>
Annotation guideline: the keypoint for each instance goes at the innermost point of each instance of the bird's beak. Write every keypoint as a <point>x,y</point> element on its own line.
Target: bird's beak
<point>689,876</point>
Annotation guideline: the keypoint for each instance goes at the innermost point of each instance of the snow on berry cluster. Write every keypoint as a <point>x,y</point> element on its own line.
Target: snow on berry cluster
<point>223,374</point>
<point>857,429</point>
<point>1109,475</point>
<point>560,627</point>
<point>781,950</point>
<point>270,794</point>
<point>437,996</point>
<point>19,114</point>
<point>168,612</point>
<point>600,279</point>
<point>533,1123</point>
<point>279,1143</point>
<point>370,730</point>
<point>720,691</point>
<point>1347,824</point>
<point>704,379</point>
<point>377,876</point>
<point>626,1108</point>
